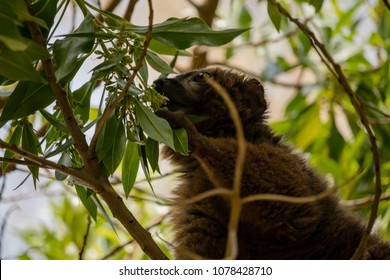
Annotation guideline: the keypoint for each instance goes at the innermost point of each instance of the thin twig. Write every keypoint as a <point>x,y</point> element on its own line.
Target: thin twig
<point>235,199</point>
<point>18,161</point>
<point>124,91</point>
<point>335,69</point>
<point>365,201</point>
<point>3,225</point>
<point>89,221</point>
<point>204,195</point>
<point>289,199</point>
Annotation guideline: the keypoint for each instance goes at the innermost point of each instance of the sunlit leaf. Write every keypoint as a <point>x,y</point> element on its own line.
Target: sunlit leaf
<point>275,16</point>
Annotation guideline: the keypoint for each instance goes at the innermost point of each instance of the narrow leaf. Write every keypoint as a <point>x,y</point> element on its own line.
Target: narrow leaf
<point>275,16</point>
<point>181,140</point>
<point>184,33</point>
<point>111,143</point>
<point>152,153</point>
<point>158,64</point>
<point>130,165</point>
<point>60,125</point>
<point>87,200</point>
<point>30,144</point>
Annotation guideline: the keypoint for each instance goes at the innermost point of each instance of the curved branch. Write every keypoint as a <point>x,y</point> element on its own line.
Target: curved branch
<point>289,199</point>
<point>235,198</point>
<point>335,69</point>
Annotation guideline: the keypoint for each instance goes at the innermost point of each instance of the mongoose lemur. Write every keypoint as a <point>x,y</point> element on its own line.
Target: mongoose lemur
<point>267,229</point>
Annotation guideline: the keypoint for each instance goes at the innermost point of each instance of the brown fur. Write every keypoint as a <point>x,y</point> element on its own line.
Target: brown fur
<point>267,229</point>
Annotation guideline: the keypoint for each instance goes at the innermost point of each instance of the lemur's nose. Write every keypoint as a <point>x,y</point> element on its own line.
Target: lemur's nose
<point>160,83</point>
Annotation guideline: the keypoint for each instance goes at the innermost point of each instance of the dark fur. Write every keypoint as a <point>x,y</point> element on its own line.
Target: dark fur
<point>267,229</point>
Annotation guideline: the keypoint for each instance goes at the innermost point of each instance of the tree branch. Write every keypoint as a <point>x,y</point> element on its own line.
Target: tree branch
<point>338,73</point>
<point>34,160</point>
<point>130,9</point>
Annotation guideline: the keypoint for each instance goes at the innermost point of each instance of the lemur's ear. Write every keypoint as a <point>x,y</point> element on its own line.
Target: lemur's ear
<point>253,95</point>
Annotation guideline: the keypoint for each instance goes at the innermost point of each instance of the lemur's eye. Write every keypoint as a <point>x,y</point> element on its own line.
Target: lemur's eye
<point>200,77</point>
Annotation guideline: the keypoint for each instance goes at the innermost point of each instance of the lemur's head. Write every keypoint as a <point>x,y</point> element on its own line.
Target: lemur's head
<point>190,93</point>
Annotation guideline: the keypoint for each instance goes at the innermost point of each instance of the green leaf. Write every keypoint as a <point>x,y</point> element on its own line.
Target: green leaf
<point>164,49</point>
<point>30,144</point>
<point>86,197</point>
<point>60,125</point>
<point>130,165</point>
<point>181,140</point>
<point>157,128</point>
<point>10,35</point>
<point>69,52</point>
<point>184,33</point>
<point>152,153</point>
<point>27,98</point>
<point>111,143</point>
<point>275,16</point>
<point>17,65</point>
<point>158,64</point>
<point>14,140</point>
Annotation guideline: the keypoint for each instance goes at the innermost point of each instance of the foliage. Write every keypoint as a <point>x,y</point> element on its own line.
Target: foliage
<point>123,131</point>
